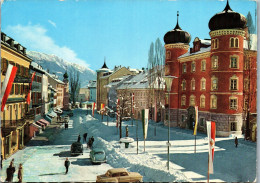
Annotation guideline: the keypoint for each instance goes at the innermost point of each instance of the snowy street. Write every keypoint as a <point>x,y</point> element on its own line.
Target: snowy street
<point>46,163</point>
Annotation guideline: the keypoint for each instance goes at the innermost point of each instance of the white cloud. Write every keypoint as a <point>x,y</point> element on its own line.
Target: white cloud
<point>52,23</point>
<point>34,38</point>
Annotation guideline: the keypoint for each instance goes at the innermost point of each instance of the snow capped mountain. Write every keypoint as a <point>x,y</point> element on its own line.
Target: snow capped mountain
<point>58,66</point>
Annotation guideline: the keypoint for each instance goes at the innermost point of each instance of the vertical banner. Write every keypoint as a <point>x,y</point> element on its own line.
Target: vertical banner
<point>93,109</point>
<point>145,120</point>
<point>133,98</point>
<point>28,100</point>
<point>211,128</point>
<point>7,84</point>
<point>196,120</point>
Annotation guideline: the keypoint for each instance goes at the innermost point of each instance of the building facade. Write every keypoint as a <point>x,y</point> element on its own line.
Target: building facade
<point>15,119</point>
<point>211,75</point>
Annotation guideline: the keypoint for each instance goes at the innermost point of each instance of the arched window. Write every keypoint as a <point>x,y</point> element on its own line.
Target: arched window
<point>213,102</point>
<point>193,84</point>
<point>193,66</point>
<point>216,43</point>
<point>192,100</point>
<point>168,54</point>
<point>214,83</point>
<point>183,84</point>
<point>203,84</point>
<point>232,42</point>
<point>183,100</point>
<point>203,65</point>
<point>214,62</point>
<point>236,42</point>
<point>202,101</point>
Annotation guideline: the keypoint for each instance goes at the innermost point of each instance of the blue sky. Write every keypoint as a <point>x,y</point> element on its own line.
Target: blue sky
<point>86,31</point>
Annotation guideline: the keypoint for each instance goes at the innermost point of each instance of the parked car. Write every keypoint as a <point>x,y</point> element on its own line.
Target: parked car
<point>76,149</point>
<point>97,156</point>
<point>119,175</point>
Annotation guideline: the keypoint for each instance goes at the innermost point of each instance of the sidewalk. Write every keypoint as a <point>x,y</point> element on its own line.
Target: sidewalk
<point>47,135</point>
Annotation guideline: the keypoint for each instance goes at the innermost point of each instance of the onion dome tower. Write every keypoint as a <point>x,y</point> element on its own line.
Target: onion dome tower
<point>176,44</point>
<point>227,54</point>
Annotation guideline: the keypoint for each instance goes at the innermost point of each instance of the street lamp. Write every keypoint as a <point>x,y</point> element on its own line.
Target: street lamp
<point>168,83</point>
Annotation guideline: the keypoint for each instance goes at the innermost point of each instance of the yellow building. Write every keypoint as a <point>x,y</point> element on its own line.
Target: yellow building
<point>104,77</point>
<point>14,122</point>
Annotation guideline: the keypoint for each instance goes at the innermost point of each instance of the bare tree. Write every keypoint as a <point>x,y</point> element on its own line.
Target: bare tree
<point>74,80</point>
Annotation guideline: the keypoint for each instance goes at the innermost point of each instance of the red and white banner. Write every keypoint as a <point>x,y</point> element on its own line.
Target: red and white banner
<point>7,84</point>
<point>117,112</point>
<point>28,100</point>
<point>93,109</point>
<point>211,128</point>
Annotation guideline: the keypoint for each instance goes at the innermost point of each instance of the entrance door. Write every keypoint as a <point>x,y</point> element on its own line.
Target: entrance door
<point>191,117</point>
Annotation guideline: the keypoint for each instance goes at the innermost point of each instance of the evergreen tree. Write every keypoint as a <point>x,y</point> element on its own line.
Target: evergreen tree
<point>250,24</point>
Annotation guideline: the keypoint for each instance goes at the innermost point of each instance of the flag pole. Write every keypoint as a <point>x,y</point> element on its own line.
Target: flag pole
<point>195,144</point>
<point>208,170</point>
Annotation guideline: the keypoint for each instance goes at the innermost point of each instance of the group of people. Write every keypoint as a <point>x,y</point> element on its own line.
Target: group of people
<point>90,140</point>
<point>10,172</point>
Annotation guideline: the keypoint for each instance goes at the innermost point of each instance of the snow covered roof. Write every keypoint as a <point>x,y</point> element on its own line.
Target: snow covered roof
<point>36,66</point>
<point>202,50</point>
<point>206,42</point>
<point>117,81</point>
<point>92,84</point>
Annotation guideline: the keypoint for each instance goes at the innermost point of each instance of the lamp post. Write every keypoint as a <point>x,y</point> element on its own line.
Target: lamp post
<point>168,83</point>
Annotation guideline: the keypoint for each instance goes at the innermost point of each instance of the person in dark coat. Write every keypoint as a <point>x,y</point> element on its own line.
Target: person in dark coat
<point>85,137</point>
<point>1,161</point>
<point>10,172</point>
<point>92,139</point>
<point>79,138</point>
<point>20,173</point>
<point>236,141</point>
<point>67,164</point>
<point>126,131</point>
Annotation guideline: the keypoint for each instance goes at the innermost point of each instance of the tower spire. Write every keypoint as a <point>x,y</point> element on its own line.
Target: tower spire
<point>105,65</point>
<point>227,7</point>
<point>177,25</point>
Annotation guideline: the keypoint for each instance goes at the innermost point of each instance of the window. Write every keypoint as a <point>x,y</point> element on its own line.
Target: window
<point>246,84</point>
<point>213,102</point>
<point>193,66</point>
<point>183,100</point>
<point>233,126</point>
<point>247,64</point>
<point>12,90</point>
<point>184,68</point>
<point>234,42</point>
<point>202,101</point>
<point>214,83</point>
<point>183,85</point>
<point>233,102</point>
<point>203,65</point>
<point>215,43</point>
<point>16,89</point>
<point>192,100</point>
<point>234,62</point>
<point>214,62</point>
<point>193,84</point>
<point>233,83</point>
<point>168,54</point>
<point>203,84</point>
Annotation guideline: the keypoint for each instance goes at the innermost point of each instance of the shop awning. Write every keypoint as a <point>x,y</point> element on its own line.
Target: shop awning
<point>52,114</point>
<point>37,126</point>
<point>44,121</point>
<point>40,123</point>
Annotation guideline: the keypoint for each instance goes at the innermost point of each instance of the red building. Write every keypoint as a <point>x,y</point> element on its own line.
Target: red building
<point>216,75</point>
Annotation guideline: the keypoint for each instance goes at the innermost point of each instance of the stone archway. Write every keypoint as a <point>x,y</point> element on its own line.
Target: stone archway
<point>191,117</point>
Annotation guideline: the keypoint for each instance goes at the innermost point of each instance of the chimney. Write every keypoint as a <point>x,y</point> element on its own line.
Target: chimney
<point>18,47</point>
<point>24,50</point>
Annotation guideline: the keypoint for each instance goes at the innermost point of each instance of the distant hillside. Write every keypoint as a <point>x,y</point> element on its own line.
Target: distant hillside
<point>58,66</point>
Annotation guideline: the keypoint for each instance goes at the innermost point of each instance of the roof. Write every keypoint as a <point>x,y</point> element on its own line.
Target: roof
<point>206,42</point>
<point>116,170</point>
<point>202,50</point>
<point>37,67</point>
<point>117,81</point>
<point>138,81</point>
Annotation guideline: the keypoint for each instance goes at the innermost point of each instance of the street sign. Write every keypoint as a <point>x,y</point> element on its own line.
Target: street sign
<point>168,144</point>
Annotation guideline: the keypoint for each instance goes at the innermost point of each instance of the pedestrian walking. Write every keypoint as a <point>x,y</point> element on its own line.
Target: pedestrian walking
<point>79,138</point>
<point>85,137</point>
<point>1,161</point>
<point>10,172</point>
<point>20,173</point>
<point>89,145</point>
<point>236,141</point>
<point>67,164</point>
